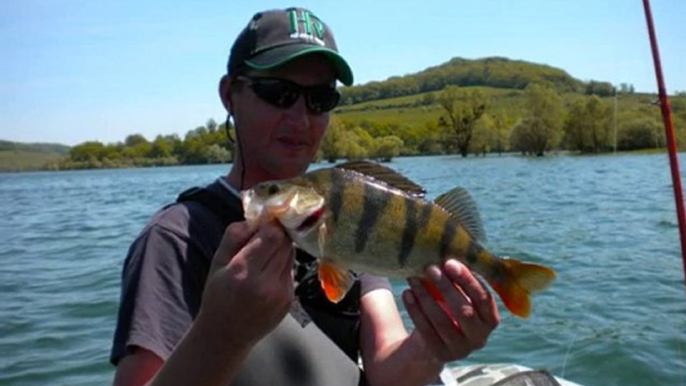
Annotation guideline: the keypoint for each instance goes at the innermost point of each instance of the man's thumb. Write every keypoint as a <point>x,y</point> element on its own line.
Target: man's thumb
<point>235,237</point>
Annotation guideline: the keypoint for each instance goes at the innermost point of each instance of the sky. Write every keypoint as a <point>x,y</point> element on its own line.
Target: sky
<point>93,70</point>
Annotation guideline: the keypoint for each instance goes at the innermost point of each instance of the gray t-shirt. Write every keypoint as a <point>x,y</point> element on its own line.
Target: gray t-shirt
<point>162,282</point>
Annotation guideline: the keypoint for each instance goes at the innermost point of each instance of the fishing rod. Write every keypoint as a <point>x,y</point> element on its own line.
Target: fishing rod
<point>669,132</point>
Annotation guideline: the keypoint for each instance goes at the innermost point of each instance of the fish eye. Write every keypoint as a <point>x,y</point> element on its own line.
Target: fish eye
<point>273,189</point>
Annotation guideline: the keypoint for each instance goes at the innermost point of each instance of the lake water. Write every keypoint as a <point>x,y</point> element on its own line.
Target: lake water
<point>615,316</point>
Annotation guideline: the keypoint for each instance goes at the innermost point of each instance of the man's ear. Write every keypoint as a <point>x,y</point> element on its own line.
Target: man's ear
<point>224,93</point>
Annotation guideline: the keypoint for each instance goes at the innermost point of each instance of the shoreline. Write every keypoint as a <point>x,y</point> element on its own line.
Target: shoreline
<point>150,164</point>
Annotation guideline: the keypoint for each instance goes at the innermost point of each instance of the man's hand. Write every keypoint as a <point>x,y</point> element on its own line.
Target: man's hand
<point>249,287</point>
<point>460,322</point>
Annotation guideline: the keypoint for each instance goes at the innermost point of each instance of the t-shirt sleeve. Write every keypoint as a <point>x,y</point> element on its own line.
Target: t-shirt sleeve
<point>369,283</point>
<point>159,297</point>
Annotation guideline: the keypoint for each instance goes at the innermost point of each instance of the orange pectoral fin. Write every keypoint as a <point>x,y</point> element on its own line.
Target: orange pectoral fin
<point>335,281</point>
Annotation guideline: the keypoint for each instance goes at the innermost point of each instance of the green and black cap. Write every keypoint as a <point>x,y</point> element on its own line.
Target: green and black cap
<point>274,37</point>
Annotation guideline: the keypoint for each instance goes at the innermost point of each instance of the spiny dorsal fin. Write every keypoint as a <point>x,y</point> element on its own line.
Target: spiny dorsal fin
<point>461,206</point>
<point>385,175</point>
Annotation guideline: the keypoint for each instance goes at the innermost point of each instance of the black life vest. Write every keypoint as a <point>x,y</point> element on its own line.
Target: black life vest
<point>339,321</point>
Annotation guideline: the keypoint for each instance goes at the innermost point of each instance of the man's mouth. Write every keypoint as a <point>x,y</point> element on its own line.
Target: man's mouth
<point>294,142</point>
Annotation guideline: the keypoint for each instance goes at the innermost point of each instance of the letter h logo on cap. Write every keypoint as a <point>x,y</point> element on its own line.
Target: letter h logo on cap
<point>306,26</point>
<point>275,37</point>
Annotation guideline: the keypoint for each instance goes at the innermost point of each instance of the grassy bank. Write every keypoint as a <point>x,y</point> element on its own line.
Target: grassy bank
<point>24,160</point>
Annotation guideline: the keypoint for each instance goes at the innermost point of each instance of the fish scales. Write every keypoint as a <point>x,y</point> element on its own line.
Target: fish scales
<point>412,227</point>
<point>350,221</point>
<point>335,196</point>
<point>376,215</point>
<point>429,242</point>
<point>380,214</point>
<point>369,224</point>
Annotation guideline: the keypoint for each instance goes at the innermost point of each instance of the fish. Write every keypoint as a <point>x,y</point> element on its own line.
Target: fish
<point>362,217</point>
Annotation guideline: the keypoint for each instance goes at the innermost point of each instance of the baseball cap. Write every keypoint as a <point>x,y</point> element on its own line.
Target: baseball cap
<point>275,37</point>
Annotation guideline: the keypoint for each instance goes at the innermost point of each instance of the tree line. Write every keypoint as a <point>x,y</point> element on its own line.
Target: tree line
<point>210,144</point>
<point>586,124</point>
<point>203,145</point>
<point>467,123</point>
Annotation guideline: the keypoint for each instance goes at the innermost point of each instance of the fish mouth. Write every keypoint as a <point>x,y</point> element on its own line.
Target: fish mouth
<point>311,220</point>
<point>264,211</point>
<point>293,208</point>
<point>281,206</point>
<point>252,212</point>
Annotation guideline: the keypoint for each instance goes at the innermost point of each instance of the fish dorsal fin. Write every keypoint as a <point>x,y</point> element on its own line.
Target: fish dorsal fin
<point>386,175</point>
<point>462,207</point>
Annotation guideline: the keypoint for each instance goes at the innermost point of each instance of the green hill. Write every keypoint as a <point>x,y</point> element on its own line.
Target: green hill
<point>418,109</point>
<point>495,72</point>
<point>48,148</point>
<point>16,156</point>
<point>408,107</point>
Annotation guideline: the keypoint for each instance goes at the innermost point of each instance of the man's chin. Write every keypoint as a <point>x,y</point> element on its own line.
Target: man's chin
<point>288,167</point>
<point>295,151</point>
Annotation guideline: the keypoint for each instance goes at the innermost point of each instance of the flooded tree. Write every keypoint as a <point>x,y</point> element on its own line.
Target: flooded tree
<point>541,128</point>
<point>334,144</point>
<point>385,148</point>
<point>492,133</point>
<point>588,126</point>
<point>462,110</point>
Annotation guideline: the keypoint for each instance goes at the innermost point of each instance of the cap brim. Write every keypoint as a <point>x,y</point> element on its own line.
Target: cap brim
<point>280,55</point>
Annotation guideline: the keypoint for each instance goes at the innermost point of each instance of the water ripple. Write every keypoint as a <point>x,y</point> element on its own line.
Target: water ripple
<point>614,316</point>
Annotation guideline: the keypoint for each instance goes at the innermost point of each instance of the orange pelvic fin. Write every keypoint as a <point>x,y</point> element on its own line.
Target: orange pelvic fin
<point>432,290</point>
<point>519,281</point>
<point>440,300</point>
<point>335,281</point>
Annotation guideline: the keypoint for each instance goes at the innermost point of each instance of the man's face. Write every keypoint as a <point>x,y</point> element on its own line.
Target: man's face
<point>278,142</point>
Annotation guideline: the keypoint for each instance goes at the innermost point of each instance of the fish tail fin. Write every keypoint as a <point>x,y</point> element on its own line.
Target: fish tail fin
<point>518,282</point>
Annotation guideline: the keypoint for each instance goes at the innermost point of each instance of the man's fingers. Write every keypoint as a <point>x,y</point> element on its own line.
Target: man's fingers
<point>442,323</point>
<point>460,307</point>
<point>467,301</point>
<point>423,325</point>
<point>265,247</point>
<point>235,237</point>
<point>281,260</point>
<point>482,300</point>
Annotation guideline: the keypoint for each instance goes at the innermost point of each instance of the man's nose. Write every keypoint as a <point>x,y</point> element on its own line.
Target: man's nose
<point>297,115</point>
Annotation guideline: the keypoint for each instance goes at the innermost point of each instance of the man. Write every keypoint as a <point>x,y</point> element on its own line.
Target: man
<point>207,305</point>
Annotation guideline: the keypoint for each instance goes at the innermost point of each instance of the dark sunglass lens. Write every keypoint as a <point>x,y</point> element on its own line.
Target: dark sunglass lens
<point>283,94</point>
<point>275,92</point>
<point>322,99</point>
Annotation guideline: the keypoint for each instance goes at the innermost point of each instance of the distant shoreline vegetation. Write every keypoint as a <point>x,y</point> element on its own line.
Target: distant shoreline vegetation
<point>151,163</point>
<point>466,107</point>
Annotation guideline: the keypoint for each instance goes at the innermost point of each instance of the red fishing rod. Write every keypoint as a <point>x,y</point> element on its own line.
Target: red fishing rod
<point>669,132</point>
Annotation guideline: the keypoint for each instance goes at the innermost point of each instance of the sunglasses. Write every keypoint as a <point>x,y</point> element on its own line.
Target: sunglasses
<point>283,94</point>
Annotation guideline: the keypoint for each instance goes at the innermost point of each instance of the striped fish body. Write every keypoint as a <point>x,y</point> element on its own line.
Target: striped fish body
<point>351,221</point>
<point>374,228</point>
